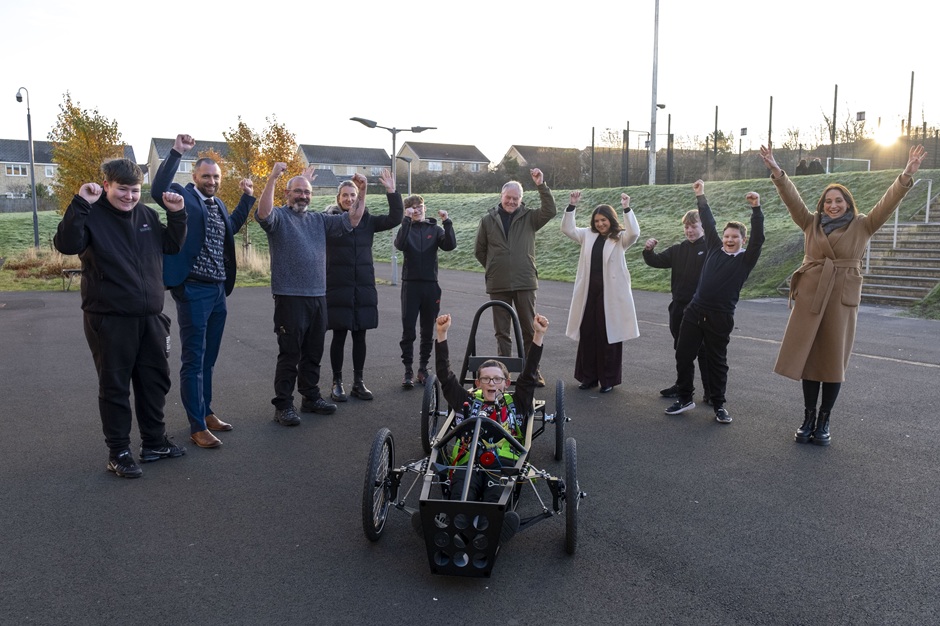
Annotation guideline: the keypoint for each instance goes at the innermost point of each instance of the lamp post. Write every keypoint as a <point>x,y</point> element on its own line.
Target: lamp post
<point>394,131</point>
<point>32,165</point>
<point>408,161</point>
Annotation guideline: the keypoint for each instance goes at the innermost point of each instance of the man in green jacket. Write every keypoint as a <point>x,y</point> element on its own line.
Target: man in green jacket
<point>505,247</point>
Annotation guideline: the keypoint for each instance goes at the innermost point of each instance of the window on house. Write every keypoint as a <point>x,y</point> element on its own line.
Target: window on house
<point>350,170</point>
<point>435,166</point>
<point>328,168</point>
<point>50,171</point>
<point>185,167</point>
<point>16,169</point>
<point>474,167</point>
<point>376,170</point>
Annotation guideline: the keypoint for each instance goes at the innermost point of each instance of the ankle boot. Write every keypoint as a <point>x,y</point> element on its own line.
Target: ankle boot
<point>359,388</point>
<point>821,433</point>
<point>338,394</point>
<point>805,432</point>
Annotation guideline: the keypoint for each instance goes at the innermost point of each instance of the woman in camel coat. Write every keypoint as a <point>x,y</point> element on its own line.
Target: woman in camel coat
<point>827,288</point>
<point>602,315</point>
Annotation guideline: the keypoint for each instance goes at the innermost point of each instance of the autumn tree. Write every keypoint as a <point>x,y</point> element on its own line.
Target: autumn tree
<point>280,145</point>
<point>82,140</point>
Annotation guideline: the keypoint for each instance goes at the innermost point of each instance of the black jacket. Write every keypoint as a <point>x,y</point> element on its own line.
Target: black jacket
<point>420,242</point>
<point>686,259</point>
<point>122,254</point>
<point>351,299</point>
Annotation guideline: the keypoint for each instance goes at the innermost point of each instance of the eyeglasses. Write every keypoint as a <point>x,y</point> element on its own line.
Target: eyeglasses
<point>493,380</point>
<point>303,192</point>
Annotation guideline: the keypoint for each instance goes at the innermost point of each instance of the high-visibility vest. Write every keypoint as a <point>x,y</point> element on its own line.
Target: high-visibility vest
<point>503,412</point>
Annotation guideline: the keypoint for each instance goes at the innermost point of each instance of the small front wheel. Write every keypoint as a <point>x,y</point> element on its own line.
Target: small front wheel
<point>572,495</point>
<point>377,489</point>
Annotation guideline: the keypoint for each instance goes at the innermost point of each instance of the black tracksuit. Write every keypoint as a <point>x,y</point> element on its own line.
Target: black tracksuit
<point>686,259</point>
<point>420,291</point>
<point>122,299</point>
<point>709,318</point>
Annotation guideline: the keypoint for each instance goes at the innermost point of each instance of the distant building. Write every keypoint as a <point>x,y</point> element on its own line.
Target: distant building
<point>14,166</point>
<point>335,164</point>
<point>160,149</point>
<point>443,158</point>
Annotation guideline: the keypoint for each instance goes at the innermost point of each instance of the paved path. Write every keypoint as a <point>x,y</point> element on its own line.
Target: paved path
<point>687,522</point>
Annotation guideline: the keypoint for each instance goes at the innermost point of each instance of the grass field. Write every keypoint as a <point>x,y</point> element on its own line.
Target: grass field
<point>658,210</point>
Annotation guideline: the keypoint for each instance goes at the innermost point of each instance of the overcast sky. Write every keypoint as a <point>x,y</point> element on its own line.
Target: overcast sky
<point>488,73</point>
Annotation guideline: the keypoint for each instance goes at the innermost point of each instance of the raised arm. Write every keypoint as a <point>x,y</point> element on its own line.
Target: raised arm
<point>631,227</point>
<point>266,202</point>
<point>547,209</point>
<point>447,239</point>
<point>163,179</point>
<point>568,227</point>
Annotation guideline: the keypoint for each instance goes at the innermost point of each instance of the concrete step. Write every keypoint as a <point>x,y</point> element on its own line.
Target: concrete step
<point>890,271</point>
<point>905,261</point>
<point>905,250</point>
<point>886,289</point>
<point>901,301</point>
<point>902,280</point>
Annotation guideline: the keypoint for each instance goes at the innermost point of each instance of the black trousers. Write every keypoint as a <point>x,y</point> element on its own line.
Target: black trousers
<point>300,325</point>
<point>707,331</point>
<point>418,297</point>
<point>676,310</point>
<point>130,351</point>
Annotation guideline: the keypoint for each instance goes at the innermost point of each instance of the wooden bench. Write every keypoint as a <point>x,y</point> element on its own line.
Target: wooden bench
<point>70,274</point>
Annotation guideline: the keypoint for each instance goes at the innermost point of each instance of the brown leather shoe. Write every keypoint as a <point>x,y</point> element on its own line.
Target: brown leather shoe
<point>205,439</point>
<point>214,423</point>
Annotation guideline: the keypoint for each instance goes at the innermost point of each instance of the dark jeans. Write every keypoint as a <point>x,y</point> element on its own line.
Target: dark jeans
<point>709,331</point>
<point>424,298</point>
<point>201,313</point>
<point>300,325</point>
<point>130,351</point>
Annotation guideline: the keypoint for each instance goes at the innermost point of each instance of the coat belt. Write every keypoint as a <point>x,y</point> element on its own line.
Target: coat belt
<point>826,279</point>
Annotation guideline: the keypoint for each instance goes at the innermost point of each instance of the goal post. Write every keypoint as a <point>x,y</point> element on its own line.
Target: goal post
<point>840,164</point>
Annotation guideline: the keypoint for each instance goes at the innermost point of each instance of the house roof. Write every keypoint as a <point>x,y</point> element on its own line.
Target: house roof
<point>446,152</point>
<point>327,179</point>
<point>163,146</point>
<point>17,151</point>
<point>341,155</point>
<point>532,154</point>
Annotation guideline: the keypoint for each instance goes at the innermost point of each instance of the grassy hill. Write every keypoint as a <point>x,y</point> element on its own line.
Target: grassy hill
<point>658,210</point>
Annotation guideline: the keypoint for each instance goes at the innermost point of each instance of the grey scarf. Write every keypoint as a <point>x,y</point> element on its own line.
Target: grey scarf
<point>829,224</point>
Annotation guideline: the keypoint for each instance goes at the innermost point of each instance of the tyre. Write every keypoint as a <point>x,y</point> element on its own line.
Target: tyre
<point>572,495</point>
<point>560,420</point>
<point>430,412</point>
<point>376,489</point>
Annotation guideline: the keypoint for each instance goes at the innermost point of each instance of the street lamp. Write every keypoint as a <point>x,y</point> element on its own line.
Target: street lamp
<point>408,161</point>
<point>394,131</point>
<point>32,165</point>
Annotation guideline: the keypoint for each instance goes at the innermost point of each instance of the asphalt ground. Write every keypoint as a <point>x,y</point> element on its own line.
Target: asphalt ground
<point>687,521</point>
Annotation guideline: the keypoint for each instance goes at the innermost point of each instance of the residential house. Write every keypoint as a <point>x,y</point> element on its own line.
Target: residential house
<point>561,166</point>
<point>14,166</point>
<point>160,149</point>
<point>443,158</point>
<point>335,164</point>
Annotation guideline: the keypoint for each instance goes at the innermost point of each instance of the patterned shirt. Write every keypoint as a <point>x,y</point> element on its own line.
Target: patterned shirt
<point>209,266</point>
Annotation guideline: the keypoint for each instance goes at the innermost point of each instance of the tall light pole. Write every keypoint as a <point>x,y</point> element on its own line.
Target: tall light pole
<point>394,131</point>
<point>408,161</point>
<point>652,150</point>
<point>32,165</point>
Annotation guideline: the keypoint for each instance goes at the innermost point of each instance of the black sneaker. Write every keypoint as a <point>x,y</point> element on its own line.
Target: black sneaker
<point>670,392</point>
<point>680,407</point>
<point>124,465</point>
<point>166,450</point>
<point>722,415</point>
<point>319,405</point>
<point>408,382</point>
<point>288,416</point>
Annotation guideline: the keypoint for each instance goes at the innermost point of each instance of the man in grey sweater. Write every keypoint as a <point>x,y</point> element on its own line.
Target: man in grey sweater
<point>297,244</point>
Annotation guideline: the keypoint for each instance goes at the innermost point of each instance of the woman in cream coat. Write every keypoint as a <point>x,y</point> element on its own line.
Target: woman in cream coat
<point>827,288</point>
<point>602,315</point>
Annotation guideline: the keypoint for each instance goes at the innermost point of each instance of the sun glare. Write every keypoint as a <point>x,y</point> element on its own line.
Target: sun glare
<point>886,137</point>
